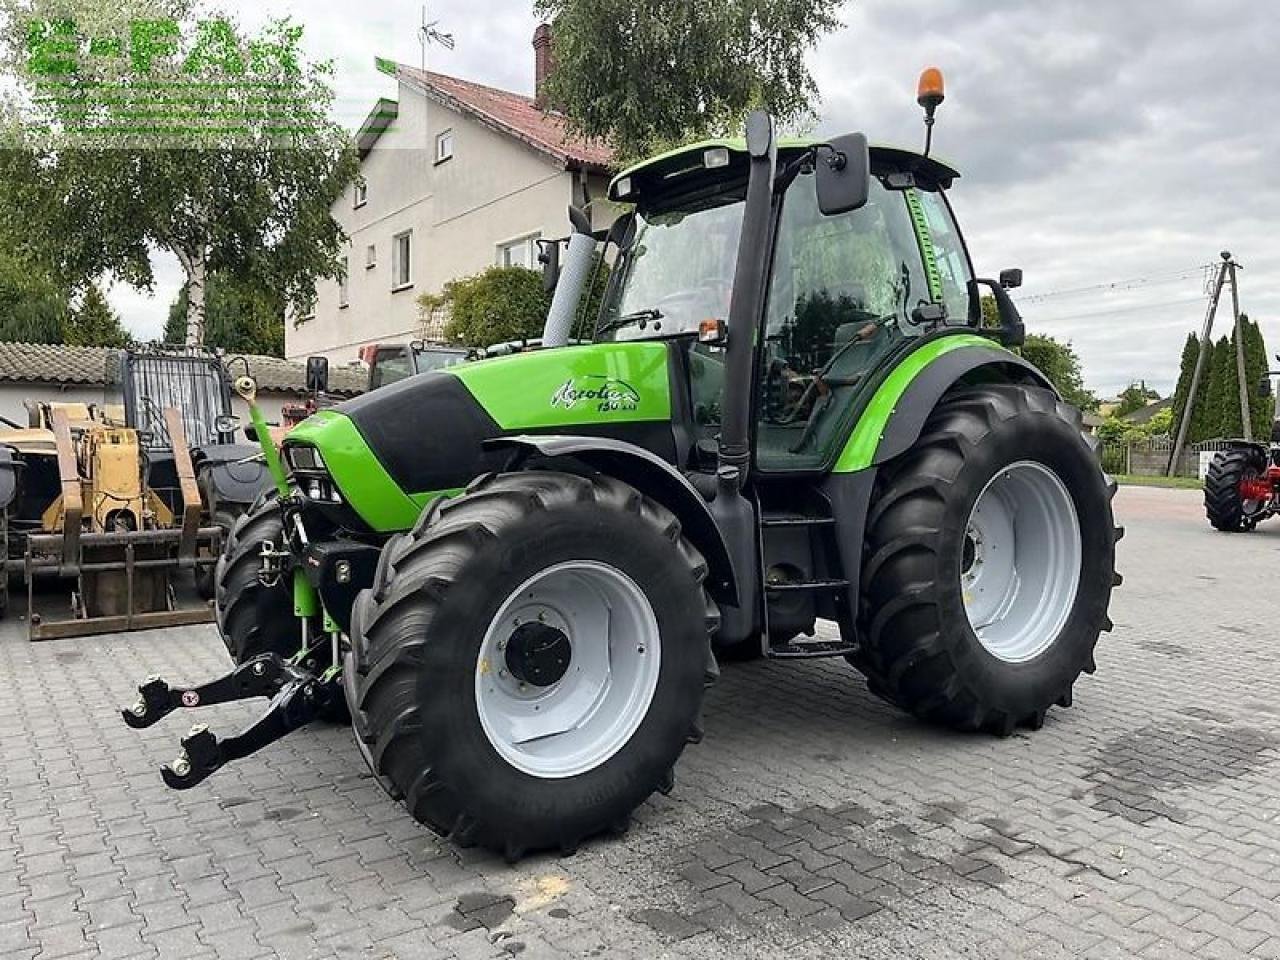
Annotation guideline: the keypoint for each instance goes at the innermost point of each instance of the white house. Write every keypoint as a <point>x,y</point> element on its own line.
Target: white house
<point>455,176</point>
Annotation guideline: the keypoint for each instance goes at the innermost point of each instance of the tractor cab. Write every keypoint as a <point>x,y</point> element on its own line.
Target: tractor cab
<point>846,293</point>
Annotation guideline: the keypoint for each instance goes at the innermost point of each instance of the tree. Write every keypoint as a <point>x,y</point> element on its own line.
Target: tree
<point>237,176</point>
<point>644,76</point>
<point>241,316</point>
<point>34,306</point>
<point>1134,397</point>
<point>1190,354</point>
<point>1059,362</point>
<point>95,324</point>
<point>507,303</point>
<point>1223,399</point>
<point>1261,408</point>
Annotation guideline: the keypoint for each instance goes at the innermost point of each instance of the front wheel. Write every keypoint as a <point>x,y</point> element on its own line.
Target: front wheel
<point>530,661</point>
<point>990,562</point>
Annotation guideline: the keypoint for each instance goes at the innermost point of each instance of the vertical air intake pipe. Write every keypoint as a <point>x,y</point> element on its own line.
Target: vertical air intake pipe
<point>575,273</point>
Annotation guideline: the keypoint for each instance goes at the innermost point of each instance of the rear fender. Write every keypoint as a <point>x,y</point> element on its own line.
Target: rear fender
<point>653,477</point>
<point>972,364</point>
<point>1251,445</point>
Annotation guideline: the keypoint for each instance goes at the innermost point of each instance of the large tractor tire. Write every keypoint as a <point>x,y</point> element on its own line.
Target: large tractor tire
<point>531,659</point>
<point>990,562</point>
<point>1224,502</point>
<point>252,617</point>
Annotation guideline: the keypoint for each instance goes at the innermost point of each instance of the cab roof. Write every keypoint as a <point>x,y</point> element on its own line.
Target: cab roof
<point>659,172</point>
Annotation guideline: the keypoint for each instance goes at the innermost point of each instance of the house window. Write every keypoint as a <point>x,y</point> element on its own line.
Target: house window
<point>522,252</point>
<point>343,292</point>
<point>401,260</point>
<point>362,193</point>
<point>444,146</point>
<point>371,256</point>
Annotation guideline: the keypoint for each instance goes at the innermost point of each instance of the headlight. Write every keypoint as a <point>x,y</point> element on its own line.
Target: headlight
<point>305,459</point>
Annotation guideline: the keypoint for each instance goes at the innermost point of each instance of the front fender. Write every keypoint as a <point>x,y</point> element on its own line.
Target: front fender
<point>653,477</point>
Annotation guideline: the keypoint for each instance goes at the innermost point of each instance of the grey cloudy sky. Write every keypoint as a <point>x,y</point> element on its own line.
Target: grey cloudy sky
<point>1099,141</point>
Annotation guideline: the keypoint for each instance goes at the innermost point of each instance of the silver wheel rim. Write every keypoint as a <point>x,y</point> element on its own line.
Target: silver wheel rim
<point>1020,566</point>
<point>567,669</point>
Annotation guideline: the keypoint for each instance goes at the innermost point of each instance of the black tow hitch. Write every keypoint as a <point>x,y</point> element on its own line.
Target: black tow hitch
<point>298,696</point>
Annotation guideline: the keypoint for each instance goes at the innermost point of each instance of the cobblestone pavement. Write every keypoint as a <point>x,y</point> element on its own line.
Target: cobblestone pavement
<point>812,821</point>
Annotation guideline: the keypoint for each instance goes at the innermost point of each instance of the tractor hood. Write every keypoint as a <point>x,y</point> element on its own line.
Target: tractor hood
<point>392,451</point>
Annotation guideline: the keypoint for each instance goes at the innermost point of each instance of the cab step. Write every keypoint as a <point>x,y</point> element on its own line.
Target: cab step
<point>807,649</point>
<point>796,520</point>
<point>800,586</point>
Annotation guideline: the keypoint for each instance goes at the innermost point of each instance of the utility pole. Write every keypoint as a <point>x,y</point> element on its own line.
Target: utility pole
<point>1240,374</point>
<point>1188,408</point>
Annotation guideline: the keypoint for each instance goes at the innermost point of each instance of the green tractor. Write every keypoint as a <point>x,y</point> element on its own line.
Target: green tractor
<point>516,576</point>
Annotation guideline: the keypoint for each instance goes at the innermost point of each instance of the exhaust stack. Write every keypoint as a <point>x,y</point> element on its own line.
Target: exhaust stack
<point>575,273</point>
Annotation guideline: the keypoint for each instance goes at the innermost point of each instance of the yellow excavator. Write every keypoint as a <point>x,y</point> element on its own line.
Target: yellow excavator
<point>77,505</point>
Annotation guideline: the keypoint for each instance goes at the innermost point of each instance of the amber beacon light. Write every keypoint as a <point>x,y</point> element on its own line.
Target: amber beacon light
<point>930,93</point>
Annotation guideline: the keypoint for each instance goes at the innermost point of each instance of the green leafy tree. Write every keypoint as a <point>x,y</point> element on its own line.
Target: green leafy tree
<point>34,306</point>
<point>1190,353</point>
<point>506,303</point>
<point>94,323</point>
<point>241,316</point>
<point>1223,399</point>
<point>1061,364</point>
<point>242,184</point>
<point>1261,408</point>
<point>500,304</point>
<point>1134,397</point>
<point>644,76</point>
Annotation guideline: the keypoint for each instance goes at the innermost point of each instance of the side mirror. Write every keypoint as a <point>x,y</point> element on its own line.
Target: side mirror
<point>843,170</point>
<point>549,257</point>
<point>317,374</point>
<point>1011,279</point>
<point>1012,332</point>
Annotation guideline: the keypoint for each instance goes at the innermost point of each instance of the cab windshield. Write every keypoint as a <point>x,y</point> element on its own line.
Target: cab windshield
<point>677,272</point>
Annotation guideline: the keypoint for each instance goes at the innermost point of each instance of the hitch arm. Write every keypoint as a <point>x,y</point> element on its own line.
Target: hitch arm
<point>261,676</point>
<point>297,704</point>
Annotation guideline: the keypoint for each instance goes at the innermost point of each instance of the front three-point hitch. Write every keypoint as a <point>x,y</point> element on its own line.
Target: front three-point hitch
<point>298,696</point>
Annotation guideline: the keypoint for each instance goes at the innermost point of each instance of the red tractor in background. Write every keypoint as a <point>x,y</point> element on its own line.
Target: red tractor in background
<point>1242,486</point>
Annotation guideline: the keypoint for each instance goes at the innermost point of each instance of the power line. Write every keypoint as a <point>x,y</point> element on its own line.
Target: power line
<point>1129,284</point>
<point>1135,308</point>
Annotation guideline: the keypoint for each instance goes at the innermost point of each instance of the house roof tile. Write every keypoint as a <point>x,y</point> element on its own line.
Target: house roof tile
<point>513,114</point>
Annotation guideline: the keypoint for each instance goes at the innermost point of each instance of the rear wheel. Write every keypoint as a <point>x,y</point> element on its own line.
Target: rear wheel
<point>530,661</point>
<point>990,562</point>
<point>1236,491</point>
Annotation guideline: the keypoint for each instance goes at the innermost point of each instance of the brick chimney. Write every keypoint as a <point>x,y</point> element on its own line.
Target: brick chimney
<point>542,62</point>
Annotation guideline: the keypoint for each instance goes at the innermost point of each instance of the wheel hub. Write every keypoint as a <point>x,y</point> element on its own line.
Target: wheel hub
<point>538,654</point>
<point>567,669</point>
<point>1020,561</point>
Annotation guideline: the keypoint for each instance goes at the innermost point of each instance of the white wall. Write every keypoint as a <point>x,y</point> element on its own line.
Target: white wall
<point>493,189</point>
